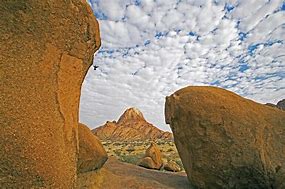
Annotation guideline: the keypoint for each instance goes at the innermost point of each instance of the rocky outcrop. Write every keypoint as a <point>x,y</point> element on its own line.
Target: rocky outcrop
<point>271,105</point>
<point>46,48</point>
<point>226,141</point>
<point>152,158</point>
<point>280,104</point>
<point>131,126</point>
<point>172,166</point>
<point>106,131</point>
<point>131,114</point>
<point>92,154</point>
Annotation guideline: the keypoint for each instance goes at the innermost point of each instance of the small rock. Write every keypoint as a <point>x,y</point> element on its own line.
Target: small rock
<point>152,158</point>
<point>147,162</point>
<point>172,166</point>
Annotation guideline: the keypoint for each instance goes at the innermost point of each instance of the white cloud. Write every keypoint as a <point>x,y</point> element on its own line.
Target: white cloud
<point>151,48</point>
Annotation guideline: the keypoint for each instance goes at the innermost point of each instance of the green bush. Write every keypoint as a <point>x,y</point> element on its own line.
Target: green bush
<point>133,159</point>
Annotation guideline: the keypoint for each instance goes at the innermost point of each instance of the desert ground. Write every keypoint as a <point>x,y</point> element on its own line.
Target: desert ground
<point>125,175</point>
<point>133,151</point>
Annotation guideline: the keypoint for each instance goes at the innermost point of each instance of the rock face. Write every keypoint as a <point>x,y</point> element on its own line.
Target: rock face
<point>280,104</point>
<point>172,166</point>
<point>271,105</point>
<point>46,48</point>
<point>131,126</point>
<point>226,141</point>
<point>152,158</point>
<point>106,131</point>
<point>92,154</point>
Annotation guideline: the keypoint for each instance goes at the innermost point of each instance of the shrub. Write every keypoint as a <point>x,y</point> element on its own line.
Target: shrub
<point>133,159</point>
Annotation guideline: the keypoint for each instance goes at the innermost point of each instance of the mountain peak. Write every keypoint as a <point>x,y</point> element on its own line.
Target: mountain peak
<point>131,114</point>
<point>131,126</point>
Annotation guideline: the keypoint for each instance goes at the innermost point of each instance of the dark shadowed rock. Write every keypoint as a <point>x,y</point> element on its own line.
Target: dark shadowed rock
<point>271,105</point>
<point>92,154</point>
<point>281,104</point>
<point>226,141</point>
<point>46,48</point>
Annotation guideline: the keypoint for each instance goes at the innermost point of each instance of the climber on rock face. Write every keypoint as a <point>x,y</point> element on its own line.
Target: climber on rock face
<point>95,67</point>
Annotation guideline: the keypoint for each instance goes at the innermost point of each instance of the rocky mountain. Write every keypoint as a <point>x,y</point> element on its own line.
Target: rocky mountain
<point>130,126</point>
<point>226,141</point>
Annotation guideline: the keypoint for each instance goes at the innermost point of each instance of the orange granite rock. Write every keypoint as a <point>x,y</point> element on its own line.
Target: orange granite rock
<point>152,158</point>
<point>131,126</point>
<point>46,48</point>
<point>226,141</point>
<point>92,154</point>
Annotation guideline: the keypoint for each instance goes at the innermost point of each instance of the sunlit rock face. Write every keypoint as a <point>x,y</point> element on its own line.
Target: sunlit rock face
<point>92,154</point>
<point>152,158</point>
<point>226,141</point>
<point>131,126</point>
<point>46,48</point>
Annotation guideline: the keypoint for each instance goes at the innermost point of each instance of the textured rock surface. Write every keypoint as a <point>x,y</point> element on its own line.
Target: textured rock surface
<point>147,162</point>
<point>172,166</point>
<point>106,131</point>
<point>226,141</point>
<point>281,104</point>
<point>119,175</point>
<point>46,48</point>
<point>271,105</point>
<point>92,154</point>
<point>131,126</point>
<point>152,158</point>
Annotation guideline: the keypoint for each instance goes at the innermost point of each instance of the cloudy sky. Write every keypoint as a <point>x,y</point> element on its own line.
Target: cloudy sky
<point>151,48</point>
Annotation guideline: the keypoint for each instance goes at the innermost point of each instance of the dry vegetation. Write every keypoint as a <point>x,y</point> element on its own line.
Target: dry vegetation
<point>133,151</point>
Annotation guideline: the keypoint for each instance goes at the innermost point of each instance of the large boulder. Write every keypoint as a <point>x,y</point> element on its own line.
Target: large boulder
<point>226,141</point>
<point>92,154</point>
<point>46,48</point>
<point>152,158</point>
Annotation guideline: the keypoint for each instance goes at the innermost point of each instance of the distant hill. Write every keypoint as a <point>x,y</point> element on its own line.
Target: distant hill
<point>131,126</point>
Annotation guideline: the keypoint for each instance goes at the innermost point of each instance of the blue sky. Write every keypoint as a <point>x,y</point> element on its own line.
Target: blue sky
<point>151,48</point>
